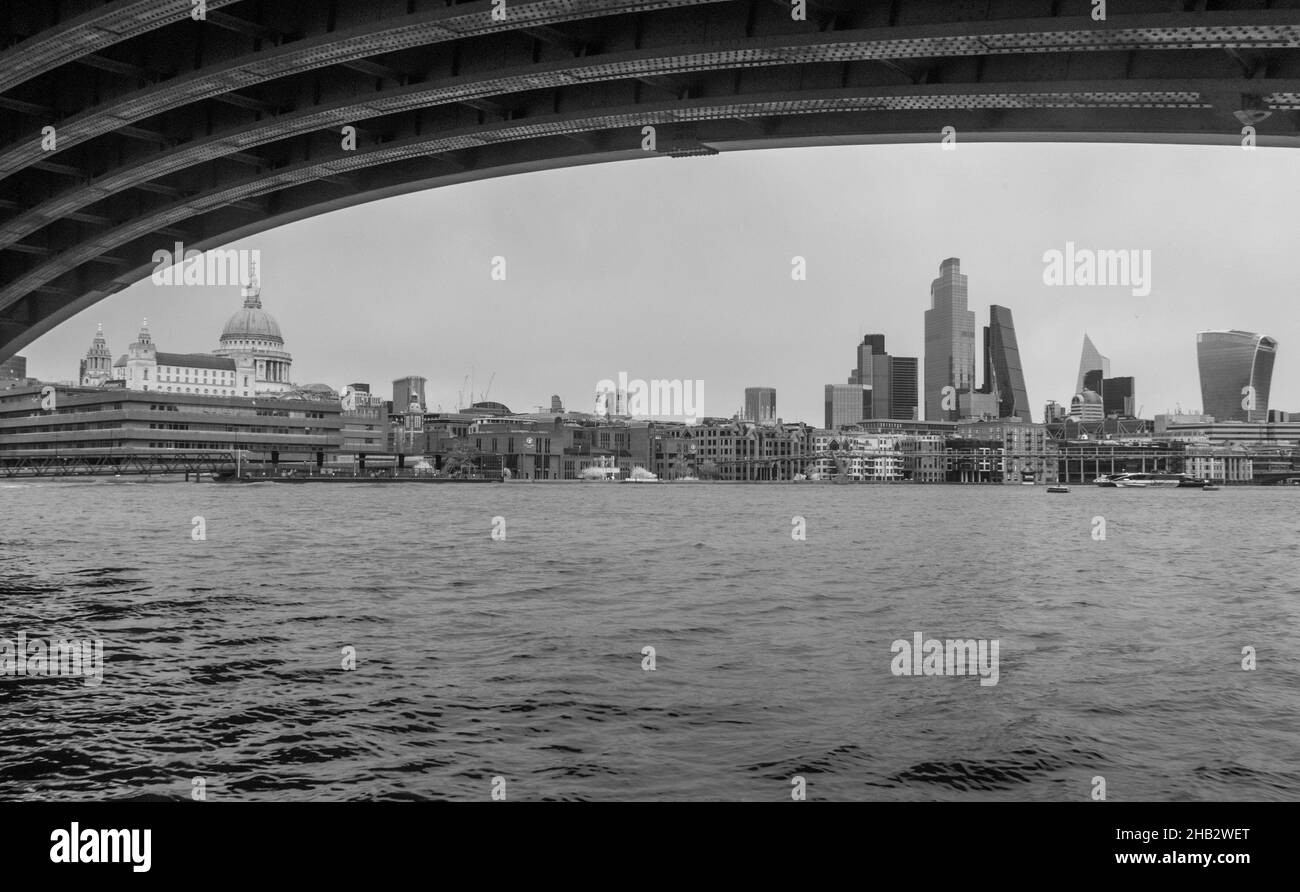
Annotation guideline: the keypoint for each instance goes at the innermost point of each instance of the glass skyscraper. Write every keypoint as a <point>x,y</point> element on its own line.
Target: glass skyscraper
<point>903,385</point>
<point>1003,376</point>
<point>845,404</point>
<point>1230,362</point>
<point>1117,397</point>
<point>949,343</point>
<point>1090,360</point>
<point>760,404</point>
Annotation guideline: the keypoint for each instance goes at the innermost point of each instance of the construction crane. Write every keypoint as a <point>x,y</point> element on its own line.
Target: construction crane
<point>483,396</point>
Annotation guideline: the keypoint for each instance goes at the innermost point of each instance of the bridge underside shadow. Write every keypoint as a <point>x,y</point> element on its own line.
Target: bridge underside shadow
<point>131,126</point>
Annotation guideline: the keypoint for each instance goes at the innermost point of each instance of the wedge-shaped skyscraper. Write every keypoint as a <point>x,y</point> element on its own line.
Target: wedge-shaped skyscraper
<point>1236,371</point>
<point>1089,361</point>
<point>1003,376</point>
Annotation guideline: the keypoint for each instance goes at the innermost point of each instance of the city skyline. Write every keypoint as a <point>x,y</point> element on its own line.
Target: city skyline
<point>321,272</point>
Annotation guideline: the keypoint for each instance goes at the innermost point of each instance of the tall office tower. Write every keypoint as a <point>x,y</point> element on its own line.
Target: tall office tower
<point>408,394</point>
<point>1003,377</point>
<point>949,343</point>
<point>872,345</point>
<point>890,381</point>
<point>1095,381</point>
<point>872,375</point>
<point>1236,371</point>
<point>97,367</point>
<point>760,405</point>
<point>1117,397</point>
<point>904,378</point>
<point>845,404</point>
<point>1090,359</point>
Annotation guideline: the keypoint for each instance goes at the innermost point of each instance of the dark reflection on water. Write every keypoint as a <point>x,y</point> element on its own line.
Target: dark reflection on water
<point>522,658</point>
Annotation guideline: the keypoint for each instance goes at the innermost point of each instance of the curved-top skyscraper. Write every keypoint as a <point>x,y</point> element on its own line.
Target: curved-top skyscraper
<point>1231,362</point>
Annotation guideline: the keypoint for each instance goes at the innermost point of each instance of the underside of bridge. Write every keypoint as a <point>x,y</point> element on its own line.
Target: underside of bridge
<point>204,121</point>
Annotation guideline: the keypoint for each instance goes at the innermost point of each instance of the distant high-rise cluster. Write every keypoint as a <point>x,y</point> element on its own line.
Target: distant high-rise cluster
<point>881,386</point>
<point>1098,396</point>
<point>950,391</point>
<point>888,387</point>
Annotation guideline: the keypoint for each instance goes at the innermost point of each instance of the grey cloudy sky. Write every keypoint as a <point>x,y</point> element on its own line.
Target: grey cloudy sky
<point>680,268</point>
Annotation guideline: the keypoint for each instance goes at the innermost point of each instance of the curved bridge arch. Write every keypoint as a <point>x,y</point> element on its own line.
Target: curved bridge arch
<point>168,129</point>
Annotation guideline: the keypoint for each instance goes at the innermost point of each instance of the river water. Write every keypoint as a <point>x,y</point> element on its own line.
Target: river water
<point>518,661</point>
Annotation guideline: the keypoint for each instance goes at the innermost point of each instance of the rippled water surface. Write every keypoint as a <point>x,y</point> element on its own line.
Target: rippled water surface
<point>522,658</point>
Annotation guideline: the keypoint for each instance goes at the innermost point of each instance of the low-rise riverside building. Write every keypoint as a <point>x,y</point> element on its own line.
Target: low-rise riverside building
<point>859,457</point>
<point>1220,464</point>
<point>1250,434</point>
<point>971,460</point>
<point>97,419</point>
<point>731,449</point>
<point>527,450</point>
<point>364,429</point>
<point>924,460</point>
<point>1029,453</point>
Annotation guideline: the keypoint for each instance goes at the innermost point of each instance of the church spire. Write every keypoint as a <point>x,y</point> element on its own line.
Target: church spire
<point>252,291</point>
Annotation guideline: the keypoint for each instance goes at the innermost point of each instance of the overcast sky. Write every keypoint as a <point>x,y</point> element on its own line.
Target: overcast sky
<point>681,269</point>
